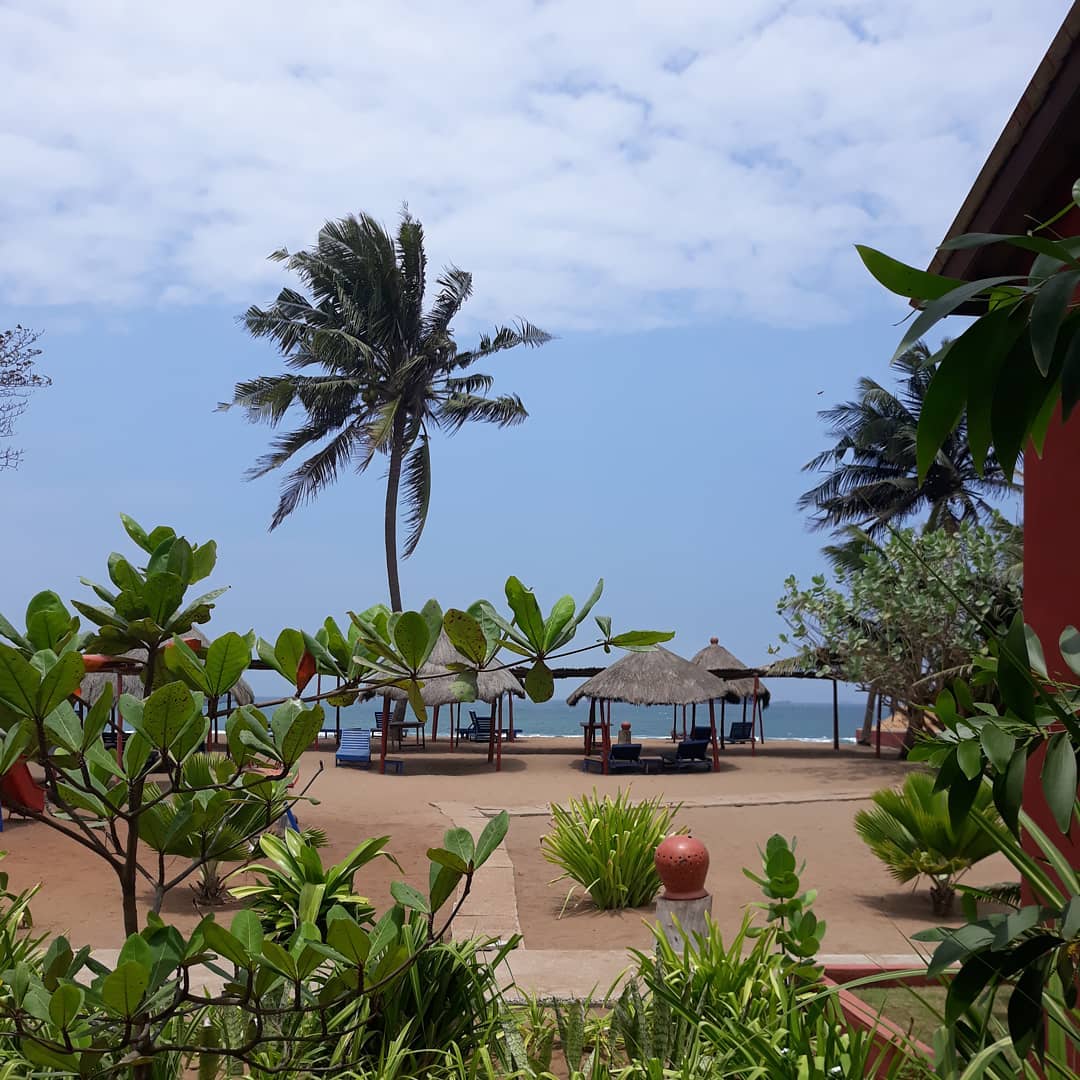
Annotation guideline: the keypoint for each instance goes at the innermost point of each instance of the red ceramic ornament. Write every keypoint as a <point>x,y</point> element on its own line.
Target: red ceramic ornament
<point>682,863</point>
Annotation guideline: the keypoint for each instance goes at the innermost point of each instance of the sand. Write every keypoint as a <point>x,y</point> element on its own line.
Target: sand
<point>797,789</point>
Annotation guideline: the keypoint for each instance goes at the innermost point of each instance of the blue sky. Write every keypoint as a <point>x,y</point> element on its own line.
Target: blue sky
<point>671,189</point>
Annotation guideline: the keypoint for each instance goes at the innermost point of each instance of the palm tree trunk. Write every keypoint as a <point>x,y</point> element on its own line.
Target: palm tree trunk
<point>868,716</point>
<point>393,482</point>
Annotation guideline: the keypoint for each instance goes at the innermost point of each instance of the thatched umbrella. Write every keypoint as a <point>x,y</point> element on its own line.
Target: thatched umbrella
<point>714,657</point>
<point>94,682</point>
<point>656,677</point>
<point>491,685</point>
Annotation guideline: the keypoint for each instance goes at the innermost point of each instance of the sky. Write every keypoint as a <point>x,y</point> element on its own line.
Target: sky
<point>673,190</point>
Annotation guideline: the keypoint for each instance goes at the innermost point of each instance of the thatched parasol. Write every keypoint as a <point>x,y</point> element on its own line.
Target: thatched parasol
<point>714,657</point>
<point>93,684</point>
<point>436,677</point>
<point>658,677</point>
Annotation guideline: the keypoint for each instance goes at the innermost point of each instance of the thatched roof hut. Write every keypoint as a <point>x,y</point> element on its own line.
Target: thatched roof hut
<point>490,685</point>
<point>657,677</point>
<point>714,657</point>
<point>93,684</point>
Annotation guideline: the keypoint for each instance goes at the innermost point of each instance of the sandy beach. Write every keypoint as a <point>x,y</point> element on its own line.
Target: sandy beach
<point>798,789</point>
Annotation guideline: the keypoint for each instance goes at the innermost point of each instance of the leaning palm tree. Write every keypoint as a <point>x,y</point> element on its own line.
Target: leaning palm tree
<point>872,479</point>
<point>388,371</point>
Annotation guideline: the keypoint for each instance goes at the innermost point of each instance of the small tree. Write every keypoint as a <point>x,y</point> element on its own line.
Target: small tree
<point>17,379</point>
<point>909,616</point>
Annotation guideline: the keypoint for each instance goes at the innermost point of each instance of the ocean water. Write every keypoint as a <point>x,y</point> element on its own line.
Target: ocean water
<point>803,721</point>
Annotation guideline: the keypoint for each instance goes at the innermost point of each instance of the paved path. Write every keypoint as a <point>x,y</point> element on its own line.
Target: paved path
<point>491,910</point>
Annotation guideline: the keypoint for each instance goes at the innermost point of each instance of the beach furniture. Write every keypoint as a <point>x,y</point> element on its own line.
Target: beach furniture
<point>689,755</point>
<point>741,731</point>
<point>355,749</point>
<point>478,729</point>
<point>394,733</point>
<point>625,757</point>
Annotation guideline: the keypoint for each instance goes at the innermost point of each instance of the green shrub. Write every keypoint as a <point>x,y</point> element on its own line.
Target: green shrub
<point>910,831</point>
<point>607,845</point>
<point>299,889</point>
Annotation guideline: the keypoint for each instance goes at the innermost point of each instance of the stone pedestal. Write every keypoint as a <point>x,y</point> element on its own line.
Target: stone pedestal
<point>690,915</point>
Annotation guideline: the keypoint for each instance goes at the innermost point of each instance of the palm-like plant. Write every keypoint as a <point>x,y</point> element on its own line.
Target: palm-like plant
<point>872,479</point>
<point>388,371</point>
<point>910,831</point>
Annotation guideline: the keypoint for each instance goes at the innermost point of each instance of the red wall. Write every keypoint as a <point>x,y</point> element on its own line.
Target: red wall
<point>1052,561</point>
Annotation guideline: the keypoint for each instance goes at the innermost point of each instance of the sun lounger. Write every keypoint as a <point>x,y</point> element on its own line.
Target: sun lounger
<point>741,731</point>
<point>689,755</point>
<point>624,757</point>
<point>355,749</point>
<point>697,733</point>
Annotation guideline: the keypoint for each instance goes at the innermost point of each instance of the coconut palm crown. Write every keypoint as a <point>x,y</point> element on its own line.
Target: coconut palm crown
<point>371,369</point>
<point>872,479</point>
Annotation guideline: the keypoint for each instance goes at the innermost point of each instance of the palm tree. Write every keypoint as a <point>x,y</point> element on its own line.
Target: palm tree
<point>388,372</point>
<point>872,479</point>
<point>911,832</point>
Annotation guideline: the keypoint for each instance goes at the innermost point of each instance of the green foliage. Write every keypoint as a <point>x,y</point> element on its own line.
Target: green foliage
<point>799,932</point>
<point>297,889</point>
<point>1012,365</point>
<point>910,615</point>
<point>607,845</point>
<point>912,833</point>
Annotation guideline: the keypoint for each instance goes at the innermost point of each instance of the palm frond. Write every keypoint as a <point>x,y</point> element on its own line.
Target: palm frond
<point>460,409</point>
<point>417,484</point>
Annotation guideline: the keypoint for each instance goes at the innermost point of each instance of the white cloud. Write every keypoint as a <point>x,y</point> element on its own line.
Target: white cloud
<point>596,164</point>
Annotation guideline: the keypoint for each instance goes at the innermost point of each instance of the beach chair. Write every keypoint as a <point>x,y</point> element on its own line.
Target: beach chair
<point>699,732</point>
<point>477,731</point>
<point>624,758</point>
<point>689,755</point>
<point>355,749</point>
<point>741,731</point>
<point>394,735</point>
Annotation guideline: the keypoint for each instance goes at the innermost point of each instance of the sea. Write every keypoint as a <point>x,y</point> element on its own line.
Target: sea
<point>796,720</point>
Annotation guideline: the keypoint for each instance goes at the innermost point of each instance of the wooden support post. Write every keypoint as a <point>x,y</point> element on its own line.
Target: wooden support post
<point>722,723</point>
<point>835,717</point>
<point>318,694</point>
<point>674,721</point>
<point>498,738</point>
<point>491,732</point>
<point>510,715</point>
<point>605,728</point>
<point>693,717</point>
<point>385,731</point>
<point>712,735</point>
<point>435,725</point>
<point>337,717</point>
<point>753,718</point>
<point>877,732</point>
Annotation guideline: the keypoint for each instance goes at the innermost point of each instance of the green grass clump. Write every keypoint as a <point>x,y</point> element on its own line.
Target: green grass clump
<point>606,845</point>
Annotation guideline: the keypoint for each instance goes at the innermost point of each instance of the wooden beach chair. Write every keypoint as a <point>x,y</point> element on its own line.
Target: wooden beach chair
<point>355,749</point>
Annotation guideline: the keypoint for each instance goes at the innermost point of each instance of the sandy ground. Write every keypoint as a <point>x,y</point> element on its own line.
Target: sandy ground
<point>866,911</point>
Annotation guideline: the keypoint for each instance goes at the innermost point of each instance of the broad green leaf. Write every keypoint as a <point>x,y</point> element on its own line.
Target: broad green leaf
<point>1040,245</point>
<point>409,897</point>
<point>460,842</point>
<point>946,395</point>
<point>466,635</point>
<point>15,741</point>
<point>64,727</point>
<point>641,639</point>
<point>1047,312</point>
<point>19,681</point>
<point>492,836</point>
<point>946,304</point>
<point>162,594</point>
<point>1014,672</point>
<point>47,621</point>
<point>1009,790</point>
<point>278,958</point>
<point>122,991</point>
<point>13,635</point>
<point>59,682</point>
<point>998,746</point>
<point>227,659</point>
<point>539,682</point>
<point>905,280</point>
<point>183,661</point>
<point>137,533</point>
<point>65,1004</point>
<point>198,611</point>
<point>1059,779</point>
<point>99,616</point>
<point>969,758</point>
<point>526,611</point>
<point>289,649</point>
<point>203,560</point>
<point>448,859</point>
<point>166,713</point>
<point>301,734</point>
<point>432,615</point>
<point>603,623</point>
<point>137,750</point>
<point>416,699</point>
<point>1069,643</point>
<point>247,929</point>
<point>443,882</point>
<point>1035,652</point>
<point>225,944</point>
<point>561,615</point>
<point>181,560</point>
<point>411,638</point>
<point>345,935</point>
<point>463,686</point>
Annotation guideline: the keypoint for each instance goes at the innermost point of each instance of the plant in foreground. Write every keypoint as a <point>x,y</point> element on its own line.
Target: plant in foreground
<point>911,832</point>
<point>607,844</point>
